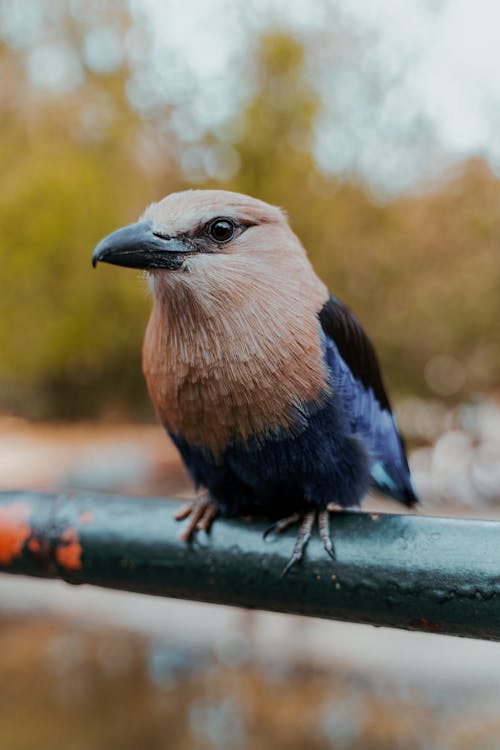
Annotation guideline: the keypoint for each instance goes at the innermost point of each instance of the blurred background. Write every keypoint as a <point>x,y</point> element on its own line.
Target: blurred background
<point>375,125</point>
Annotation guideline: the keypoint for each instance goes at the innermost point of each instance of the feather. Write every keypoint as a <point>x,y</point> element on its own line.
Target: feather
<point>357,382</point>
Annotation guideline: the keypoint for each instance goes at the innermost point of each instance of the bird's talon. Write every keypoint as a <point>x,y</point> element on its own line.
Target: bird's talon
<point>282,524</point>
<point>289,565</point>
<point>303,536</point>
<point>202,512</point>
<point>205,523</point>
<point>268,531</point>
<point>184,512</point>
<point>324,532</point>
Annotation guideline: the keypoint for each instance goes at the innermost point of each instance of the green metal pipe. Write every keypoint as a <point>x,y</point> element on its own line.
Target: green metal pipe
<point>423,573</point>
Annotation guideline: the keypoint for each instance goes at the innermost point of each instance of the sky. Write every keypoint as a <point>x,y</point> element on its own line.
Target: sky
<point>456,53</point>
<point>441,59</point>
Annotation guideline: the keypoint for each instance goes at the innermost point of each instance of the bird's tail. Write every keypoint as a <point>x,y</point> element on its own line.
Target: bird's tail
<point>399,488</point>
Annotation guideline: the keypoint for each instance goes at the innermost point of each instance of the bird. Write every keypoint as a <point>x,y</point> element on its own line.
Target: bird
<point>267,383</point>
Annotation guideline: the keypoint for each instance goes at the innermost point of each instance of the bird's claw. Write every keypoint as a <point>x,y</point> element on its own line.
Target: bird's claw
<point>202,511</point>
<point>303,536</point>
<point>324,533</point>
<point>304,533</point>
<point>282,524</point>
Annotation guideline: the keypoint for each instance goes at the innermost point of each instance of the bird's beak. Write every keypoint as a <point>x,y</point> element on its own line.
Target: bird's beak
<point>138,246</point>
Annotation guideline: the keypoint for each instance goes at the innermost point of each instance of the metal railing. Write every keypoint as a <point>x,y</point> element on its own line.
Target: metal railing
<point>440,575</point>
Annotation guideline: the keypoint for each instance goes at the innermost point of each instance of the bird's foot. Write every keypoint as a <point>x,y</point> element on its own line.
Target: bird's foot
<point>202,511</point>
<point>301,540</point>
<point>304,533</point>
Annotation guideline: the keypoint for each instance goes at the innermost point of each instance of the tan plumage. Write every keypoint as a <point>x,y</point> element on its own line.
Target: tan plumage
<point>232,348</point>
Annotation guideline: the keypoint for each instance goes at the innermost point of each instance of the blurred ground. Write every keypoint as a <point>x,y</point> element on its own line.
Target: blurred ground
<point>90,687</point>
<point>137,459</point>
<point>94,668</point>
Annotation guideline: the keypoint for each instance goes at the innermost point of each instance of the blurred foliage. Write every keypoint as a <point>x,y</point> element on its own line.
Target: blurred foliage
<point>71,172</point>
<point>422,271</point>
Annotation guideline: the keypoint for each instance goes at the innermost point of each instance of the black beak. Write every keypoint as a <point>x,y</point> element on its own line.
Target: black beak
<point>137,246</point>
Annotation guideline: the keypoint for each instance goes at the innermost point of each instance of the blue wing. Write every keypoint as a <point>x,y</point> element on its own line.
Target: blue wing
<point>358,384</point>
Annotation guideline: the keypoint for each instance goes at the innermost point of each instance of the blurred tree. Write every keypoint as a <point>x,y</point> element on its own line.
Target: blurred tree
<point>72,170</point>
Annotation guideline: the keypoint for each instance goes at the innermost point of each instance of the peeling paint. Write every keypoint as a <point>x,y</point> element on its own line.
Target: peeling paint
<point>68,552</point>
<point>14,530</point>
<point>34,546</point>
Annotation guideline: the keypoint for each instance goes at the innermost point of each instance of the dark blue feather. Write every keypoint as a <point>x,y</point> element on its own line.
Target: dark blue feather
<point>284,473</point>
<point>357,383</point>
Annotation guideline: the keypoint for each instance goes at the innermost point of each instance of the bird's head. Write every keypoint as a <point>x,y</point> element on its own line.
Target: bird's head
<point>207,238</point>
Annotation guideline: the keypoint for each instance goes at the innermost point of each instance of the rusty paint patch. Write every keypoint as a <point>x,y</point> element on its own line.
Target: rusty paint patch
<point>14,530</point>
<point>86,516</point>
<point>422,623</point>
<point>68,552</point>
<point>34,546</point>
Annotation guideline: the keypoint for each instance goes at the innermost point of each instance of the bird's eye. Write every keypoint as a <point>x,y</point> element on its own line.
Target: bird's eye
<point>221,230</point>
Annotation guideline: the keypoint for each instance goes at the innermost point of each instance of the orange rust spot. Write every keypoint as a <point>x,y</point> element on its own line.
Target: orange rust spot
<point>68,552</point>
<point>86,516</point>
<point>422,623</point>
<point>14,530</point>
<point>34,546</point>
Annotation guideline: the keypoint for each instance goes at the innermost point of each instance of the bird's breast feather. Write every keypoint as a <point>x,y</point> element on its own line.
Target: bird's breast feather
<point>220,389</point>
